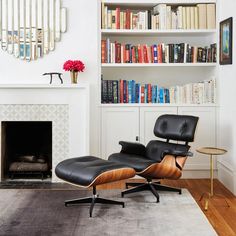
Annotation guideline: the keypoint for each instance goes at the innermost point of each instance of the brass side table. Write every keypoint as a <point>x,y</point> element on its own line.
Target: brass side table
<point>212,151</point>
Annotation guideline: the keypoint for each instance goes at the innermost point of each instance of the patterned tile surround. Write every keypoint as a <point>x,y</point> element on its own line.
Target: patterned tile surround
<point>58,114</point>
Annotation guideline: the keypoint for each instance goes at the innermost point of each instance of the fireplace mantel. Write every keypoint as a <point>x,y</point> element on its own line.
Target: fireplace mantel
<point>44,86</point>
<point>65,105</point>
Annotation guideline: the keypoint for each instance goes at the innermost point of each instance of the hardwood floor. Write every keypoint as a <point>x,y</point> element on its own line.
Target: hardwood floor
<point>222,218</point>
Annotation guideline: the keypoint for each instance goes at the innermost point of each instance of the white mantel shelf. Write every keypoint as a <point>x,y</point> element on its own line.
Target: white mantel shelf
<point>44,86</point>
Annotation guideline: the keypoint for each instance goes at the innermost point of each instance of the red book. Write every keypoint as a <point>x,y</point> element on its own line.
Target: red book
<point>127,12</point>
<point>133,54</point>
<point>118,52</point>
<point>117,18</point>
<point>127,48</point>
<point>152,54</point>
<point>145,56</point>
<point>103,52</point>
<point>140,58</point>
<point>149,93</point>
<point>142,94</point>
<point>124,54</point>
<point>121,91</point>
<point>159,53</point>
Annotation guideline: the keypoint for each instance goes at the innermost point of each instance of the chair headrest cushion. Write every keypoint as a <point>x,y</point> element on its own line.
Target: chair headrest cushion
<point>176,127</point>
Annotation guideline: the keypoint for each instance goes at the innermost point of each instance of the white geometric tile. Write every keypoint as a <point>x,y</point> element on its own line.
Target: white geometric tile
<point>57,114</point>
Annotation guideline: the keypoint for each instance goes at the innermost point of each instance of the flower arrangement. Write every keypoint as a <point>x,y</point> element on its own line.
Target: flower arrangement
<point>76,65</point>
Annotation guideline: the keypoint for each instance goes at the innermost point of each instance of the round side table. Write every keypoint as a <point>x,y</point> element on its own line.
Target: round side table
<point>212,151</point>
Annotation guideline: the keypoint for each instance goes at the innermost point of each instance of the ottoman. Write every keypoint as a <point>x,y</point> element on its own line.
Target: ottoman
<point>90,171</point>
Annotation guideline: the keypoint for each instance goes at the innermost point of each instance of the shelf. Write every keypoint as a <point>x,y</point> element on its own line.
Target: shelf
<point>156,105</point>
<point>173,32</point>
<point>108,65</point>
<point>80,85</point>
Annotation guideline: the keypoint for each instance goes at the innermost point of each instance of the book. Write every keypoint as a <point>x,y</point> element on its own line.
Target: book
<point>180,17</point>
<point>184,23</point>
<point>192,17</point>
<point>211,16</point>
<point>160,10</point>
<point>196,20</point>
<point>202,16</point>
<point>188,18</point>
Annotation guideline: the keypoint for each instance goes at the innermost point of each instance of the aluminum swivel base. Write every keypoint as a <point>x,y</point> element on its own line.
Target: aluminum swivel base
<point>149,186</point>
<point>93,200</point>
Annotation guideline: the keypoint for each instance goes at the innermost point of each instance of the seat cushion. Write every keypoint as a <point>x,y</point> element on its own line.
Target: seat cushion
<point>139,163</point>
<point>84,170</point>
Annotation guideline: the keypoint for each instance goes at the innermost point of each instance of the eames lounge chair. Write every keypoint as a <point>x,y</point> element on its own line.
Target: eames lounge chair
<point>160,159</point>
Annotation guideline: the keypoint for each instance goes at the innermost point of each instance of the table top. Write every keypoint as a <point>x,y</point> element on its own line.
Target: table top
<point>211,150</point>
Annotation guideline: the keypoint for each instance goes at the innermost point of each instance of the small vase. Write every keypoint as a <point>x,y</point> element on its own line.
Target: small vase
<point>74,76</point>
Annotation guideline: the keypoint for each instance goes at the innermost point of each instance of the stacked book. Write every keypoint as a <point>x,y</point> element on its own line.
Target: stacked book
<point>128,91</point>
<point>157,53</point>
<point>161,16</point>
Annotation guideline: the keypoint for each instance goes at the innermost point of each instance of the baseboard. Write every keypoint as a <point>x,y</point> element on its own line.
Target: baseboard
<point>227,176</point>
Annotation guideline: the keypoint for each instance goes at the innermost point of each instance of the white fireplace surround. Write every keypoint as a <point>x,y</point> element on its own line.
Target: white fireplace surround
<point>67,106</point>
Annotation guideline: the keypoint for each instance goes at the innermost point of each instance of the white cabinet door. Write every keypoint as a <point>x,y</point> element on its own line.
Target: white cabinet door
<point>205,135</point>
<point>118,124</point>
<point>148,117</point>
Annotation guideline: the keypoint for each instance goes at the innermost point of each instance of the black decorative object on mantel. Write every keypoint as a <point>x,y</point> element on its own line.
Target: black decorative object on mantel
<point>54,73</point>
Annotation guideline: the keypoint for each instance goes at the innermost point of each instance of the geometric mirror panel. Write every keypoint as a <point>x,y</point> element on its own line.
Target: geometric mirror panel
<point>29,29</point>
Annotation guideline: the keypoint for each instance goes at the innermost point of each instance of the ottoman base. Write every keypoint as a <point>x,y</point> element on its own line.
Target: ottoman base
<point>93,200</point>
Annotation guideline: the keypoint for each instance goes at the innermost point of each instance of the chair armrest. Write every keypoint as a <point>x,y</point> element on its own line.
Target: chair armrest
<point>132,148</point>
<point>177,153</point>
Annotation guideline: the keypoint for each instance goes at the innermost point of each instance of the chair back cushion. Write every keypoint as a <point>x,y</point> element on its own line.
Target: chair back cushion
<point>176,127</point>
<point>155,149</point>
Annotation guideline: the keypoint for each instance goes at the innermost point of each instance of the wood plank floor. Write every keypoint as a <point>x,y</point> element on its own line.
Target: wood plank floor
<point>222,217</point>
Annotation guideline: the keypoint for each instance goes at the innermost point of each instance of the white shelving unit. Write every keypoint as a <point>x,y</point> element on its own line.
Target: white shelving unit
<point>146,72</point>
<point>135,122</point>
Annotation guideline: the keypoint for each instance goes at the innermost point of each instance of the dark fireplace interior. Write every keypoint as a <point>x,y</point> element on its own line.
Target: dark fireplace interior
<point>26,149</point>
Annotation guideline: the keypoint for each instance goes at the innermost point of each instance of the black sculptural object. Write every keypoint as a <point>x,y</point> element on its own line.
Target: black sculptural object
<point>54,73</point>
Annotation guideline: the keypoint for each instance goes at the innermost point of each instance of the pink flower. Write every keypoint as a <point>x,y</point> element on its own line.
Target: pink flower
<point>76,65</point>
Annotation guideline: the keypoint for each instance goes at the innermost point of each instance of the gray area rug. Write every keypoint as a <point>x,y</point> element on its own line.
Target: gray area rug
<point>42,212</point>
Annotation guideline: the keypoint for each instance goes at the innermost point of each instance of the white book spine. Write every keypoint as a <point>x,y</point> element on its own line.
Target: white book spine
<point>184,18</point>
<point>196,18</point>
<point>105,18</point>
<point>180,17</point>
<point>168,17</point>
<point>192,16</point>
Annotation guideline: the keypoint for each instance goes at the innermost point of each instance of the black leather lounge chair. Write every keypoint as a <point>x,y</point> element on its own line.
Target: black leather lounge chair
<point>160,159</point>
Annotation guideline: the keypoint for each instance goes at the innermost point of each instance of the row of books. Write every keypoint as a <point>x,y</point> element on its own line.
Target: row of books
<point>128,91</point>
<point>156,53</point>
<point>161,16</point>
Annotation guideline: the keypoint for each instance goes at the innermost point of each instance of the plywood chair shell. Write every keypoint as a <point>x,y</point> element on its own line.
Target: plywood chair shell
<point>165,169</point>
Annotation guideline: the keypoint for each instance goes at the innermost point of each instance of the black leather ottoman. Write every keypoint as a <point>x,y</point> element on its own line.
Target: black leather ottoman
<point>90,171</point>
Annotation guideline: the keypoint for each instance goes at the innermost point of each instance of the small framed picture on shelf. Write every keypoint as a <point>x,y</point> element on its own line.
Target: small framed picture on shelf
<point>226,37</point>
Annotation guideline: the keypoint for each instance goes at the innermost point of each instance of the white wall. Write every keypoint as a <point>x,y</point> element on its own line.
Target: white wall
<point>227,110</point>
<point>79,42</point>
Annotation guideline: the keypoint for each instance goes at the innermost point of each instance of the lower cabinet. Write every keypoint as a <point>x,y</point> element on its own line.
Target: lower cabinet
<point>136,124</point>
<point>118,124</point>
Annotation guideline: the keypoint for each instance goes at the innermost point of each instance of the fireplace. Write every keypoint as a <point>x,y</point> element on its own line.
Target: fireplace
<point>65,106</point>
<point>26,149</point>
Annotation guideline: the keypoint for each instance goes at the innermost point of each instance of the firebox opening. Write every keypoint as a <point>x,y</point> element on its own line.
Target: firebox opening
<point>26,149</point>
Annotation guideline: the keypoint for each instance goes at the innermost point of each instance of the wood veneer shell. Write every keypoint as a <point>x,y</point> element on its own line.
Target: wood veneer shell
<point>165,169</point>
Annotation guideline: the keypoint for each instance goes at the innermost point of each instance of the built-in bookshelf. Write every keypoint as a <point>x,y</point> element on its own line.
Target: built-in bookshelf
<point>192,32</point>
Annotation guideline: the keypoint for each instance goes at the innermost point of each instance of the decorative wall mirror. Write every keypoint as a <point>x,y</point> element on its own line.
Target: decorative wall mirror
<point>30,28</point>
